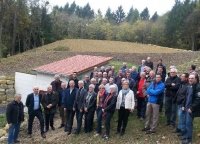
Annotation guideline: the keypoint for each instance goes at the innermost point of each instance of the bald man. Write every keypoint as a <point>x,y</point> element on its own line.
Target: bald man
<point>14,115</point>
<point>33,103</point>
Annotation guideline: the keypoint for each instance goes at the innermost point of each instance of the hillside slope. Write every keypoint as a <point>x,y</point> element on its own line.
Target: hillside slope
<point>130,52</point>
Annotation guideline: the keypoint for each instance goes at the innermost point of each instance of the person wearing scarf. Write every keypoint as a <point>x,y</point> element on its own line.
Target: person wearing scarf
<point>109,109</point>
<point>89,108</point>
<point>125,105</point>
<point>100,101</point>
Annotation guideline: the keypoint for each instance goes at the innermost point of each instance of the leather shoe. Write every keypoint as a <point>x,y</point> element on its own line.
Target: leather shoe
<point>29,136</point>
<point>61,126</point>
<point>43,135</point>
<point>145,129</point>
<point>53,128</point>
<point>16,141</point>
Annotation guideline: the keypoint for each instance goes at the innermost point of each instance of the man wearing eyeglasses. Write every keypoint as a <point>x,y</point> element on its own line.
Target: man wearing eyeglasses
<point>33,102</point>
<point>172,85</point>
<point>191,107</point>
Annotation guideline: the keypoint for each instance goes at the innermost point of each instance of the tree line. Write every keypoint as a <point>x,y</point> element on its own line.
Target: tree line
<point>27,24</point>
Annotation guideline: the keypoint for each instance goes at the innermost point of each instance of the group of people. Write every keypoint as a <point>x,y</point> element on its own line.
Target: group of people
<point>147,88</point>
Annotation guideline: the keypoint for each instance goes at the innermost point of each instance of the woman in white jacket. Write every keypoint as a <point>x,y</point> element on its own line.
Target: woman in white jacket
<point>125,105</point>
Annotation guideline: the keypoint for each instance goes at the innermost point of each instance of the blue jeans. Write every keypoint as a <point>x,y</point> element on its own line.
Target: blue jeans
<point>13,133</point>
<point>181,119</point>
<point>99,119</point>
<point>188,126</point>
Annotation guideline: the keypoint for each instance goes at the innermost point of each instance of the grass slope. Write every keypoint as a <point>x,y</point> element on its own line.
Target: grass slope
<point>83,45</point>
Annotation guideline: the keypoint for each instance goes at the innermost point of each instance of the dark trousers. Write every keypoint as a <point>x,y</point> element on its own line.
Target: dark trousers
<point>161,102</point>
<point>89,117</point>
<point>69,120</point>
<point>79,121</point>
<point>170,110</point>
<point>39,115</point>
<point>13,133</point>
<point>99,119</point>
<point>107,122</point>
<point>123,115</point>
<point>62,115</point>
<point>49,120</point>
<point>141,107</point>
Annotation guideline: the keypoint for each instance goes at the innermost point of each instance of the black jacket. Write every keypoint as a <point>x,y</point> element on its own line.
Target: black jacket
<point>79,100</point>
<point>15,112</point>
<point>149,64</point>
<point>30,103</point>
<point>111,105</point>
<point>172,90</point>
<point>50,98</point>
<point>164,69</point>
<point>56,85</point>
<point>91,106</point>
<point>181,93</point>
<point>196,100</point>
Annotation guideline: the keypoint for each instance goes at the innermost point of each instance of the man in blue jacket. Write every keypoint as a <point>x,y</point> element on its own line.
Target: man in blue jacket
<point>154,94</point>
<point>68,103</point>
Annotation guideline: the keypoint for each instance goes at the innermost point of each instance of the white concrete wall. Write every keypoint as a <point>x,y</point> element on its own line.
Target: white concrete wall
<point>24,83</point>
<point>43,80</point>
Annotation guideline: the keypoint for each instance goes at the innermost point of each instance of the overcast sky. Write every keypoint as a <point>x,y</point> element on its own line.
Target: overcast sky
<point>161,6</point>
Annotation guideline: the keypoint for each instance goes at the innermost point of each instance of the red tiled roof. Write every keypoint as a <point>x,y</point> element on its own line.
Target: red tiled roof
<point>78,63</point>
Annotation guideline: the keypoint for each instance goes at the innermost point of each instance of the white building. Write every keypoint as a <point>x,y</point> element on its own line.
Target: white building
<point>42,76</point>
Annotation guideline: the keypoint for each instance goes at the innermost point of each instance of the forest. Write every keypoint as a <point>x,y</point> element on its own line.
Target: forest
<point>27,24</point>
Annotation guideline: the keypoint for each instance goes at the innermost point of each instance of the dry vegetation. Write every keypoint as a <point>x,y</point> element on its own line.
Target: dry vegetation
<point>82,45</point>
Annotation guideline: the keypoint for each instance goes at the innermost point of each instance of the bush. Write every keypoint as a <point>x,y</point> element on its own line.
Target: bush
<point>2,120</point>
<point>61,48</point>
<point>3,51</point>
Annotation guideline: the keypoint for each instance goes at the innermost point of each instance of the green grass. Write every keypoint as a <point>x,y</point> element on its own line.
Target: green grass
<point>133,134</point>
<point>118,64</point>
<point>2,120</point>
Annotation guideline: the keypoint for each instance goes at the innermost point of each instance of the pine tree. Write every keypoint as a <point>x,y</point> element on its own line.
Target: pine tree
<point>144,15</point>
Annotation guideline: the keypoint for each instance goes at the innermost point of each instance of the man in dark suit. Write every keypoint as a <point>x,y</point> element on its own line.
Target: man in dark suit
<point>79,105</point>
<point>60,104</point>
<point>33,102</point>
<point>68,103</point>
